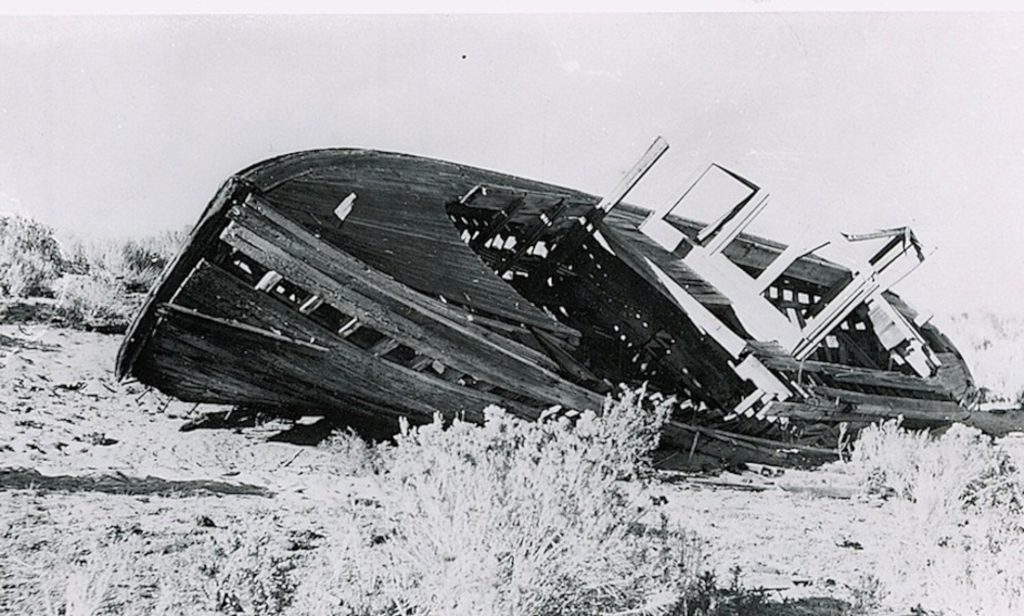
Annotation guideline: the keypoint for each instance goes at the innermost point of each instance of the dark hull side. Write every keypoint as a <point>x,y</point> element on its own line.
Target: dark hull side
<point>395,308</point>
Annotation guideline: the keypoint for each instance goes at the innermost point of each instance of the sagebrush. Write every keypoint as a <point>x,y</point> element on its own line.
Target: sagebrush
<point>30,258</point>
<point>133,263</point>
<point>958,511</point>
<point>93,282</point>
<point>992,345</point>
<point>510,517</point>
<point>507,517</point>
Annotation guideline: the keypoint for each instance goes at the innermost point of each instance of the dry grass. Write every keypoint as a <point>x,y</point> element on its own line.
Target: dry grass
<point>958,511</point>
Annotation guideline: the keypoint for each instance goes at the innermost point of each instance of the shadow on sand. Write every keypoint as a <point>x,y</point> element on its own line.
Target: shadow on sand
<point>810,606</point>
<point>117,483</point>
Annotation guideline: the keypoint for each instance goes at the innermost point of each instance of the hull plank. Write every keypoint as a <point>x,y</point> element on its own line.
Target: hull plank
<point>776,358</point>
<point>204,233</point>
<point>891,406</point>
<point>298,376</point>
<point>418,247</point>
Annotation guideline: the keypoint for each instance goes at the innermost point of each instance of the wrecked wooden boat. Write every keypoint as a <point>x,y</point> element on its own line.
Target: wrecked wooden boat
<point>369,286</point>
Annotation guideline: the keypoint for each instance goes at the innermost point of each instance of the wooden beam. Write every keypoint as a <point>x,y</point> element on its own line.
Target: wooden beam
<point>634,175</point>
<point>384,347</point>
<point>805,411</point>
<point>682,432</point>
<point>498,222</point>
<point>164,308</point>
<point>420,362</point>
<point>716,239</point>
<point>891,406</point>
<point>782,262</point>
<point>311,304</point>
<point>349,327</point>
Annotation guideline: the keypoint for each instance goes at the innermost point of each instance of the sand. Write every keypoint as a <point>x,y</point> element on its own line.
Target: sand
<point>82,455</point>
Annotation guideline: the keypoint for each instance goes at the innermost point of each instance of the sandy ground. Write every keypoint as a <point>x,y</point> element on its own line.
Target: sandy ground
<point>83,455</point>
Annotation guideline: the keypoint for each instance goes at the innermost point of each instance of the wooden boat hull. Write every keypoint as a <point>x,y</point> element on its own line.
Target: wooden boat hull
<point>357,283</point>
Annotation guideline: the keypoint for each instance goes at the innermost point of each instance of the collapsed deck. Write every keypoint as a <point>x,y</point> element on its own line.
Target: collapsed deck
<point>373,286</point>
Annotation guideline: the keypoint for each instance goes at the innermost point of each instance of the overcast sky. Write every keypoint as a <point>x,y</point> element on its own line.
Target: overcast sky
<point>126,126</point>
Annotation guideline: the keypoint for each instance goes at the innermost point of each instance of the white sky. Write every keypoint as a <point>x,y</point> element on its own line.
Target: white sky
<point>127,125</point>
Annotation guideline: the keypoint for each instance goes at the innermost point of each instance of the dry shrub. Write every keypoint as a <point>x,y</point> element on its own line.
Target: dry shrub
<point>92,281</point>
<point>135,264</point>
<point>958,506</point>
<point>250,572</point>
<point>89,300</point>
<point>991,343</point>
<point>246,569</point>
<point>509,517</point>
<point>351,456</point>
<point>30,258</point>
<point>104,277</point>
<point>98,579</point>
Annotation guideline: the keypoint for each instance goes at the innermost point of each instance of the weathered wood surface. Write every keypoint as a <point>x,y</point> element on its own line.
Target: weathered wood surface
<point>225,324</point>
<point>891,406</point>
<point>419,183</point>
<point>233,300</point>
<point>776,358</point>
<point>420,322</point>
<point>199,239</point>
<point>399,224</point>
<point>397,265</point>
<point>211,363</point>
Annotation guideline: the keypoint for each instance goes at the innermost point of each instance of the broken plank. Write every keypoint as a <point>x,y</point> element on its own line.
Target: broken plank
<point>358,275</point>
<point>311,304</point>
<point>634,175</point>
<point>399,312</point>
<point>732,446</point>
<point>421,362</point>
<point>163,308</point>
<point>342,370</point>
<point>269,281</point>
<point>818,412</point>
